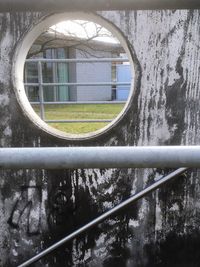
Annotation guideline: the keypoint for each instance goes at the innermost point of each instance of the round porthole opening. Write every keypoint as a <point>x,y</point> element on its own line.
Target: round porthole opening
<point>74,75</point>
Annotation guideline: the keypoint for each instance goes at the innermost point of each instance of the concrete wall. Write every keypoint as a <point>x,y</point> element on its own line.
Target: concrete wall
<point>160,230</point>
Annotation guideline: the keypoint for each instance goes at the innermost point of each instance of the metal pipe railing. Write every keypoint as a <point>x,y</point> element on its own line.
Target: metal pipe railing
<point>79,102</point>
<point>77,60</point>
<point>100,157</point>
<point>41,93</point>
<point>41,85</point>
<point>104,216</point>
<point>79,121</point>
<point>92,5</point>
<point>80,84</point>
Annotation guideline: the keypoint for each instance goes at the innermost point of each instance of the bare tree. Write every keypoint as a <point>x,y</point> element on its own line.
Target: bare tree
<point>88,45</point>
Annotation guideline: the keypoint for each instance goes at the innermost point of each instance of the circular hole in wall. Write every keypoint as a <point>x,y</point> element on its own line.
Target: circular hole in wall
<point>76,75</point>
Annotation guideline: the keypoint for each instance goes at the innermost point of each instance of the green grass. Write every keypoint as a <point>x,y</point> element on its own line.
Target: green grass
<point>80,111</point>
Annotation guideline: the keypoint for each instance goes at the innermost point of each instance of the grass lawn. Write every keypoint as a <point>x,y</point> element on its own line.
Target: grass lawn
<point>80,111</point>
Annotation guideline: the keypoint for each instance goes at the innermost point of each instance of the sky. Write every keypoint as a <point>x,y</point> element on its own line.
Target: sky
<point>85,29</point>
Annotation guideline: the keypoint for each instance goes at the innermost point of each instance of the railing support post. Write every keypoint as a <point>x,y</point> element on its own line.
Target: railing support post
<point>41,93</point>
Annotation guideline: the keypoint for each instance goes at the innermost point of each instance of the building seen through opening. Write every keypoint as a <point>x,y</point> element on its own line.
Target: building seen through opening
<point>65,67</point>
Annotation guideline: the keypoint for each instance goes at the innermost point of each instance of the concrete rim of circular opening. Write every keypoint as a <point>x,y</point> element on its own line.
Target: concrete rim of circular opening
<point>18,71</point>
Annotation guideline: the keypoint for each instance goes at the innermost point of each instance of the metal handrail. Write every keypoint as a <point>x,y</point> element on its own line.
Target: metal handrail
<point>91,5</point>
<point>100,157</point>
<point>105,215</point>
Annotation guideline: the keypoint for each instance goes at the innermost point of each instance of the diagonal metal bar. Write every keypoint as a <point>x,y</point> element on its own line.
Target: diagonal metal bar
<point>104,216</point>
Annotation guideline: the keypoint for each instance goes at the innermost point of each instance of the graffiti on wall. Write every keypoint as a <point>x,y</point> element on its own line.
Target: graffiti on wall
<point>29,203</point>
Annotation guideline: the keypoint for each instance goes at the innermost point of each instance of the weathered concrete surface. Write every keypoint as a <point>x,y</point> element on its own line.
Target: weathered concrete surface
<point>39,207</point>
